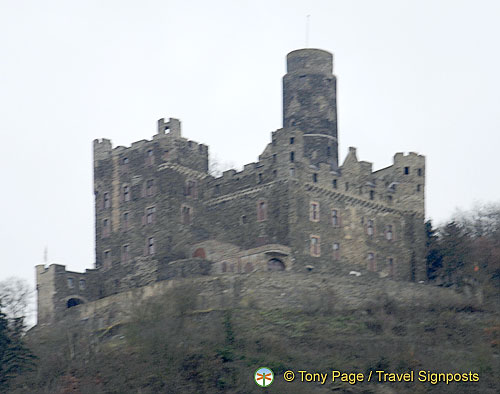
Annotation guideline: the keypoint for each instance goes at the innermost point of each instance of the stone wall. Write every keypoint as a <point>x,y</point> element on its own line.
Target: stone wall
<point>267,291</point>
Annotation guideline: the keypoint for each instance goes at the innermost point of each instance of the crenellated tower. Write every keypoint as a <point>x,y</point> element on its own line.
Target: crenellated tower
<point>310,103</point>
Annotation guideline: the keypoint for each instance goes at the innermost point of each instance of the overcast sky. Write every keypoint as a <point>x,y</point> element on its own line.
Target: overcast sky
<point>417,76</point>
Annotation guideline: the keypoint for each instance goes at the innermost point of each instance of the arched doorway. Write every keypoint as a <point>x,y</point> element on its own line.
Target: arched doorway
<point>275,265</point>
<point>200,253</point>
<point>73,302</point>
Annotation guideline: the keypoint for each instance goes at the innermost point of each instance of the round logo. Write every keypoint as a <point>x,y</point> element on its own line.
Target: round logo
<point>264,377</point>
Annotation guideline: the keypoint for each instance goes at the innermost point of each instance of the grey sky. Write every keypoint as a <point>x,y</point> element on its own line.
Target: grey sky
<point>417,76</point>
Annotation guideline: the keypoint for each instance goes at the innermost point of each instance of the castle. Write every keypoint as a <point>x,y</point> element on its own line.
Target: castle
<point>160,214</point>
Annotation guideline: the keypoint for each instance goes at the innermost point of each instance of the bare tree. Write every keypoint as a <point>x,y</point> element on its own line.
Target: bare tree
<point>216,167</point>
<point>15,297</point>
<point>482,220</point>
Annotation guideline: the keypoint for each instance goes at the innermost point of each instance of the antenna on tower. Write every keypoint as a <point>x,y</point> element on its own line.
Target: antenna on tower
<point>307,30</point>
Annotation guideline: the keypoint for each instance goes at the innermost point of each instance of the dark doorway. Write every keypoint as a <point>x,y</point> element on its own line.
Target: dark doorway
<point>275,265</point>
<point>73,302</point>
<point>200,253</point>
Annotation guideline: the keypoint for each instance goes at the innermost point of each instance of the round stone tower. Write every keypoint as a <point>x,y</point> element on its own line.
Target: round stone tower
<point>310,103</point>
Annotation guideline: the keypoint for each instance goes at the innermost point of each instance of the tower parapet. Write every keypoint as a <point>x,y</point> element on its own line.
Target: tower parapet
<point>310,103</point>
<point>173,126</point>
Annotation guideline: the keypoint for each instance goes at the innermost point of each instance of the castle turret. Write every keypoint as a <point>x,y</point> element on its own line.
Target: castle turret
<point>310,103</point>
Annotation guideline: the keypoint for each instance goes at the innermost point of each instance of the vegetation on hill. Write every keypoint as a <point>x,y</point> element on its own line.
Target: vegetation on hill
<point>170,347</point>
<point>15,358</point>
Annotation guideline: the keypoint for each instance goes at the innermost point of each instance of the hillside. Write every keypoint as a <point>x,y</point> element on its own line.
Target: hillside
<point>209,335</point>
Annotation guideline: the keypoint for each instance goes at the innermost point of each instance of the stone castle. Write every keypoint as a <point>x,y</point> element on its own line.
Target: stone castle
<point>160,214</point>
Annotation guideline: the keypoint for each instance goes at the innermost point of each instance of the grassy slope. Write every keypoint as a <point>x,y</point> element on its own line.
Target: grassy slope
<point>169,348</point>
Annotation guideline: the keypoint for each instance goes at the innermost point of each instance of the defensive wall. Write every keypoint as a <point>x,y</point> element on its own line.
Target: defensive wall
<point>265,290</point>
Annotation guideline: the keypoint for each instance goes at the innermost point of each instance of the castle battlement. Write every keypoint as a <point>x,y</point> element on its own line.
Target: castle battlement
<point>160,215</point>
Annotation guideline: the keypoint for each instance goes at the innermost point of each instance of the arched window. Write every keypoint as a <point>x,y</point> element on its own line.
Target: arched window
<point>370,228</point>
<point>200,253</point>
<point>315,246</point>
<point>389,235</point>
<point>126,193</point>
<point>73,302</point>
<point>275,265</point>
<point>335,218</point>
<point>314,211</point>
<point>336,251</point>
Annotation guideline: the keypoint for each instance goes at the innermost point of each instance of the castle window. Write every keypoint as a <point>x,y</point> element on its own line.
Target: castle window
<point>292,140</point>
<point>389,198</point>
<point>186,214</point>
<point>124,167</point>
<point>371,262</point>
<point>126,221</point>
<point>150,158</point>
<point>315,177</point>
<point>370,229</point>
<point>419,172</point>
<point>275,174</point>
<point>390,263</point>
<point>261,211</point>
<point>328,151</point>
<point>334,183</point>
<point>126,193</point>
<point>107,201</point>
<point>314,211</point>
<point>150,187</point>
<point>419,188</point>
<point>260,178</point>
<point>71,283</point>
<point>243,219</point>
<point>315,249</point>
<point>150,215</point>
<point>335,218</point>
<point>372,194</point>
<point>106,257</point>
<point>81,284</point>
<point>389,233</point>
<point>407,170</point>
<point>336,251</point>
<point>217,189</point>
<point>106,228</point>
<point>151,246</point>
<point>274,158</point>
<point>125,253</point>
<point>191,189</point>
<point>292,156</point>
<point>346,186</point>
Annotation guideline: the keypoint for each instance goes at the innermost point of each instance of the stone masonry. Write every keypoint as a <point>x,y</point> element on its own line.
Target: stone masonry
<point>160,214</point>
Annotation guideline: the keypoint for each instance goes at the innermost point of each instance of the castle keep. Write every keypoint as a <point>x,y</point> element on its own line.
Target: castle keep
<point>160,214</point>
